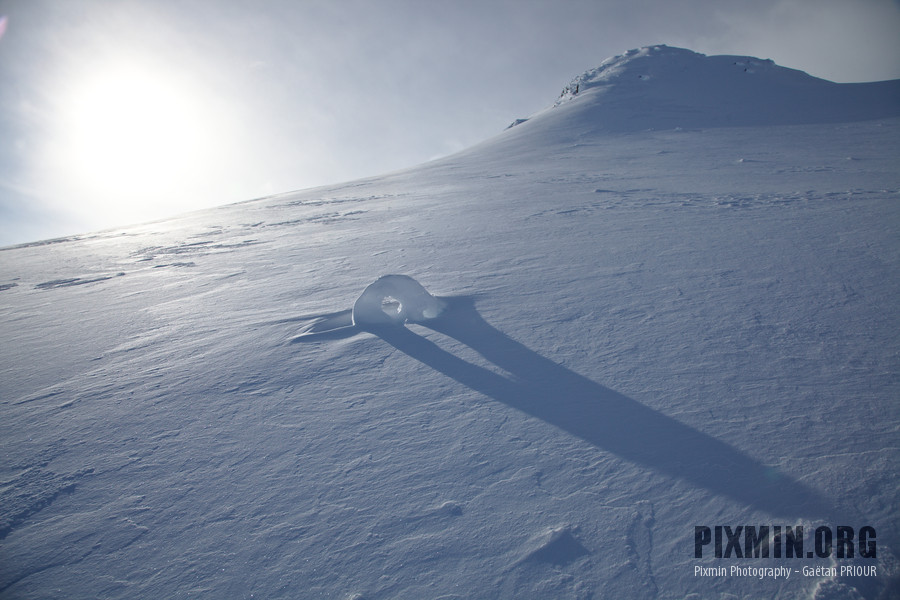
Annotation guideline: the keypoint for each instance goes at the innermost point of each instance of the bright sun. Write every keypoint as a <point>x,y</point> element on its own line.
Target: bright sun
<point>130,140</point>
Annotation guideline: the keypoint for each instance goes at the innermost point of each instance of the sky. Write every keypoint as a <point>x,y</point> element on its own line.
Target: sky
<point>122,111</point>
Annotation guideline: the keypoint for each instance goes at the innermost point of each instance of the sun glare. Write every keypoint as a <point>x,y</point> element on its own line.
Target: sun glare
<point>130,140</point>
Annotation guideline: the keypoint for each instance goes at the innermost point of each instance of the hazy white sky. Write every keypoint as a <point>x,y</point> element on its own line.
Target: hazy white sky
<point>119,111</point>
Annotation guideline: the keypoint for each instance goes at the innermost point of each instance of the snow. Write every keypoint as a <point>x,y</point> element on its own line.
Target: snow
<point>652,306</point>
<point>660,87</point>
<point>393,300</point>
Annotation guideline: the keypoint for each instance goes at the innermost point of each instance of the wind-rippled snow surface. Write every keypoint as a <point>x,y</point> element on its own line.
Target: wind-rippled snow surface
<point>599,339</point>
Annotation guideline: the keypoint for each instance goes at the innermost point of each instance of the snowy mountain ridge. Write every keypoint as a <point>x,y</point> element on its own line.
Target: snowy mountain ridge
<point>675,65</point>
<point>527,370</point>
<point>662,87</point>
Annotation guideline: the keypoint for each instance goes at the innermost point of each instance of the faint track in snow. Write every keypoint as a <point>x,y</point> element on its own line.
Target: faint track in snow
<point>640,544</point>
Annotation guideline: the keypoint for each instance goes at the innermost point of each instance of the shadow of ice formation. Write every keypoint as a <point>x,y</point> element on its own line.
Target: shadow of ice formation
<point>608,420</point>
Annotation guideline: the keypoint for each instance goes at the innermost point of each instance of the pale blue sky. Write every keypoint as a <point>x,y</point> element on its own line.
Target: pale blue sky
<point>121,111</point>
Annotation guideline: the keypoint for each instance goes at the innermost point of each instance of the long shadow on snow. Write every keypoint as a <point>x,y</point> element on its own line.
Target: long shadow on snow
<point>603,417</point>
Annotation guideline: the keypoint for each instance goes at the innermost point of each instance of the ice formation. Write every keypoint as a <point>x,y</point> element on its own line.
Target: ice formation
<point>395,299</point>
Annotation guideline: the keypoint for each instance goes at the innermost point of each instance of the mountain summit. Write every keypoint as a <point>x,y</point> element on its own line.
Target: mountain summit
<point>661,87</point>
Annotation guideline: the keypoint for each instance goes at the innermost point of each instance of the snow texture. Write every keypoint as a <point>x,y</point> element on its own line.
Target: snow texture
<point>667,300</point>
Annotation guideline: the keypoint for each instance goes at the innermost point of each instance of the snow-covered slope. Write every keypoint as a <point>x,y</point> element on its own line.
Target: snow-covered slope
<point>644,309</point>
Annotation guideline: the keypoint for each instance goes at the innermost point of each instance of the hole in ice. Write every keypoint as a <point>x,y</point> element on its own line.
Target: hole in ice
<point>395,299</point>
<point>391,306</point>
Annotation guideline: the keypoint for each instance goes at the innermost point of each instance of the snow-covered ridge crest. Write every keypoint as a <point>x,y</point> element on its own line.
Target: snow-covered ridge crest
<point>663,87</point>
<point>662,62</point>
<point>608,70</point>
